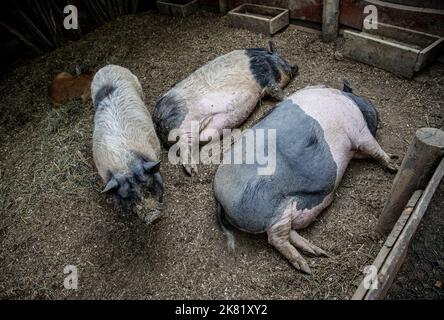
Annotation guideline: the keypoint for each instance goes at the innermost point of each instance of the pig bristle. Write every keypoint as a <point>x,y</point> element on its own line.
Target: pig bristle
<point>169,113</point>
<point>102,93</point>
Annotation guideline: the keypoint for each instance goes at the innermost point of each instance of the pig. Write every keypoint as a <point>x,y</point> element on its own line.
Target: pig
<point>220,95</point>
<point>318,131</point>
<point>66,87</point>
<point>126,149</point>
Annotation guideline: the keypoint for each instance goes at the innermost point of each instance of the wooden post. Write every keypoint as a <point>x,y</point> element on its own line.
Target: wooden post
<point>223,6</point>
<point>420,161</point>
<point>330,20</point>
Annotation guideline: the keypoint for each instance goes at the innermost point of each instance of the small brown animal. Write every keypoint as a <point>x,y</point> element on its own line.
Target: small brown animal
<point>66,87</point>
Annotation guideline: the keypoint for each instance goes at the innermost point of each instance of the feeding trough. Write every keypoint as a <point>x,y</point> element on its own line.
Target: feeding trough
<point>177,8</point>
<point>395,49</point>
<point>258,18</point>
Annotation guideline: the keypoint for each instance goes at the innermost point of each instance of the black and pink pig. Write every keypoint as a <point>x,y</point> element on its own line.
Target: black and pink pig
<point>220,95</point>
<point>318,131</point>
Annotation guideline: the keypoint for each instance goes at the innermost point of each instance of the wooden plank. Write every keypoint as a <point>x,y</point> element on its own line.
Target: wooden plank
<point>408,36</point>
<point>416,18</point>
<point>429,54</point>
<point>223,6</point>
<point>351,13</point>
<point>433,4</point>
<point>177,8</point>
<point>308,10</point>
<point>279,22</point>
<point>397,255</point>
<point>362,291</point>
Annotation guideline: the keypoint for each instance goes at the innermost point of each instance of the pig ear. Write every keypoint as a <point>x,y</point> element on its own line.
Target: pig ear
<point>151,166</point>
<point>112,184</point>
<point>270,47</point>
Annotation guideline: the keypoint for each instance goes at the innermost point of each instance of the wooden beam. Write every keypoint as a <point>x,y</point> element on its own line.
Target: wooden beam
<point>223,6</point>
<point>330,20</point>
<point>421,159</point>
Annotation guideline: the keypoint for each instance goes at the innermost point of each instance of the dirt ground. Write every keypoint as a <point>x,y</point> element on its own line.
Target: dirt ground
<point>53,214</point>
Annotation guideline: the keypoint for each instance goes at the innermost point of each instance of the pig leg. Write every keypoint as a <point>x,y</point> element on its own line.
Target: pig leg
<point>303,218</point>
<point>371,147</point>
<point>190,168</point>
<point>187,159</point>
<point>359,155</point>
<point>279,237</point>
<point>208,130</point>
<point>273,90</point>
<point>190,144</point>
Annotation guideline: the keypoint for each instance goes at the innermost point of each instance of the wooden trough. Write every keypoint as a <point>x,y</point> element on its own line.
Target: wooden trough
<point>177,8</point>
<point>417,180</point>
<point>258,18</point>
<point>395,49</point>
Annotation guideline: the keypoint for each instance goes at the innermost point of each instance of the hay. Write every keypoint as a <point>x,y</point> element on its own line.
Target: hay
<point>53,213</point>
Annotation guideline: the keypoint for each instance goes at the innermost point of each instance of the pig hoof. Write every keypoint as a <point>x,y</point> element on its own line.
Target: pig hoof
<point>191,169</point>
<point>392,167</point>
<point>306,269</point>
<point>304,245</point>
<point>290,252</point>
<point>299,263</point>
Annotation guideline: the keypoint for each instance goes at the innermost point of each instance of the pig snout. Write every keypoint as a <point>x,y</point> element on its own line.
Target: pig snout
<point>291,70</point>
<point>138,187</point>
